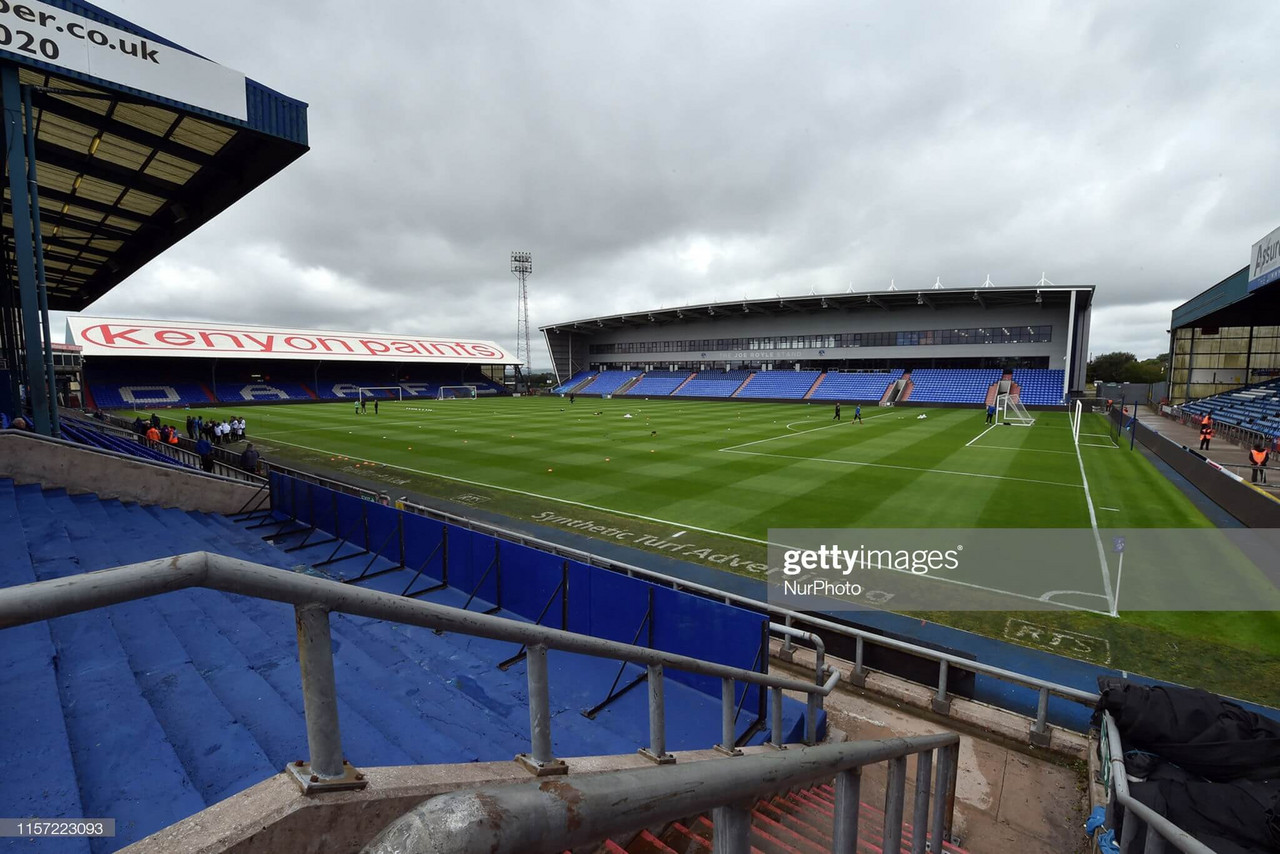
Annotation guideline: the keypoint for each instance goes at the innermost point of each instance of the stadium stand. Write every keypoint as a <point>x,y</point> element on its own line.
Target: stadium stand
<point>569,384</point>
<point>860,386</point>
<point>713,384</point>
<point>657,384</point>
<point>141,394</point>
<point>198,692</point>
<point>607,382</point>
<point>1039,386</point>
<point>952,385</point>
<point>84,433</point>
<point>1254,408</point>
<point>791,385</point>
<point>262,392</point>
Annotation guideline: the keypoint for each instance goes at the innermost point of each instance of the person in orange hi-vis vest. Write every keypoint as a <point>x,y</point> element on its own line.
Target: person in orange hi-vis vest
<point>1206,433</point>
<point>1258,457</point>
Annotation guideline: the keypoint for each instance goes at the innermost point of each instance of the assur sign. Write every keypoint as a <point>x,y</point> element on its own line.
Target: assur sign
<point>103,336</point>
<point>38,31</point>
<point>1264,261</point>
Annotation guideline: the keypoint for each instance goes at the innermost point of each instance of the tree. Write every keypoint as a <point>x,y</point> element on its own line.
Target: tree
<point>1111,367</point>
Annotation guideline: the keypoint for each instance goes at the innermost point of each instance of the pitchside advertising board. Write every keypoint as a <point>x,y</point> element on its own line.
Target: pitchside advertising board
<point>1264,263</point>
<point>100,336</point>
<point>38,31</point>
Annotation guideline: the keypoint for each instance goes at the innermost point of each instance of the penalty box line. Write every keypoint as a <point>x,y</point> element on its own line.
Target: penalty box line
<point>681,525</point>
<point>800,432</point>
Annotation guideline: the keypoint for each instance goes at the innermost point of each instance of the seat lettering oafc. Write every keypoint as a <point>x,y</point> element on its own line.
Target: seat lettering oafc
<point>150,394</point>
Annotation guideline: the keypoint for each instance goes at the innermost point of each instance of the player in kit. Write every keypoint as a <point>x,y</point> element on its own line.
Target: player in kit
<point>857,413</point>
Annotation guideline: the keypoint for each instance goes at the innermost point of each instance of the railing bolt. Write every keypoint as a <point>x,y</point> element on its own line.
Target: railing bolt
<point>315,779</point>
<point>359,776</point>
<point>298,762</point>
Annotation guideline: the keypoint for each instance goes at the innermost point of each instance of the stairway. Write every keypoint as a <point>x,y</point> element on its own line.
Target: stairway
<point>152,710</point>
<point>800,822</point>
<point>688,380</point>
<point>822,376</point>
<point>737,391</point>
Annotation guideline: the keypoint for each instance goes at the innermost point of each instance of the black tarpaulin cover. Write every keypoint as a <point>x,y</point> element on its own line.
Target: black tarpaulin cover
<point>1218,774</point>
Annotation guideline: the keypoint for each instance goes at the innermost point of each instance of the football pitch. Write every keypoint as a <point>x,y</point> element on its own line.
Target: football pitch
<point>707,481</point>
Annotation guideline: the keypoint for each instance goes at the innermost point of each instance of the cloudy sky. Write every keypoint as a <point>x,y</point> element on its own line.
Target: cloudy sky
<point>655,153</point>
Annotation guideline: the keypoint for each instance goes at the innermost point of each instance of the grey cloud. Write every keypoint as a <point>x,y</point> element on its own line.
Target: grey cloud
<point>666,152</point>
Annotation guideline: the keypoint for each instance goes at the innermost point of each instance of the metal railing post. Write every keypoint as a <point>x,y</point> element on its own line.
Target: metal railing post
<point>920,816</point>
<point>788,651</point>
<point>326,768</point>
<point>1040,735</point>
<point>775,718</point>
<point>848,803</point>
<point>657,749</point>
<point>319,694</point>
<point>732,830</point>
<point>540,760</point>
<point>940,822</point>
<point>941,704</point>
<point>859,675</point>
<point>728,735</point>
<point>894,798</point>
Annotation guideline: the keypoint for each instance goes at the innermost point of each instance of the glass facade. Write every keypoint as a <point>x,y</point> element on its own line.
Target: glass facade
<point>1211,360</point>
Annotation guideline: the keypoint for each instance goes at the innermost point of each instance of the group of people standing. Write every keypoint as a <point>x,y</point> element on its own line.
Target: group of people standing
<point>217,432</point>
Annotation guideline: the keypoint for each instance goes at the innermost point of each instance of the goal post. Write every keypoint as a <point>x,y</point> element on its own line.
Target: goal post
<point>392,391</point>
<point>1075,421</point>
<point>1010,411</point>
<point>456,392</point>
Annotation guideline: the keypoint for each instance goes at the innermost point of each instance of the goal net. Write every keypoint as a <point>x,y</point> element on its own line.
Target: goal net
<point>1010,411</point>
<point>456,392</point>
<point>380,392</point>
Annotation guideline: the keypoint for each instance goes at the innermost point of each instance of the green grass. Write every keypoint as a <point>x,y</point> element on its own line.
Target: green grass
<point>706,481</point>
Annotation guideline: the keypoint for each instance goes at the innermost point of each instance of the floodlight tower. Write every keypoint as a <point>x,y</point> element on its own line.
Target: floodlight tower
<point>522,268</point>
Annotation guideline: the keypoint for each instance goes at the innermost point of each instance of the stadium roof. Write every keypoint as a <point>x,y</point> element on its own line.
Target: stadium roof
<point>114,336</point>
<point>874,301</point>
<point>138,141</point>
<point>1231,303</point>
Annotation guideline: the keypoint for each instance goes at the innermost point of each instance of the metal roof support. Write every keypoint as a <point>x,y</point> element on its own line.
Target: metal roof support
<point>23,255</point>
<point>38,247</point>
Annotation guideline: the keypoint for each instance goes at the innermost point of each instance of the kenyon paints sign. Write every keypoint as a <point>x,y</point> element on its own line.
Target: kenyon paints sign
<point>101,336</point>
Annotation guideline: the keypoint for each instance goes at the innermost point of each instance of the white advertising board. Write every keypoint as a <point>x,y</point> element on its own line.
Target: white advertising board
<point>33,30</point>
<point>107,336</point>
<point>1264,261</point>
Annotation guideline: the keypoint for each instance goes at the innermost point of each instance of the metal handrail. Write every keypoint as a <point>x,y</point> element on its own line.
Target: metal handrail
<point>1135,809</point>
<point>184,451</point>
<point>1044,687</point>
<point>117,454</point>
<point>314,598</point>
<point>530,818</point>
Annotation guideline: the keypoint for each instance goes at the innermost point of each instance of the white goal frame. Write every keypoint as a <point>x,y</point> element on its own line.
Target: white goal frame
<point>474,392</point>
<point>362,389</point>
<point>1075,421</point>
<point>1012,412</point>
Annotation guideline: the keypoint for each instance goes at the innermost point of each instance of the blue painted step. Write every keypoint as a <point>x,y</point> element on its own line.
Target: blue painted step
<point>40,777</point>
<point>112,732</point>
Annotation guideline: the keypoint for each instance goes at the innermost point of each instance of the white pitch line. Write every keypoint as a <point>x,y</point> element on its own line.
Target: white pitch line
<point>1097,536</point>
<point>1008,448</point>
<point>799,432</point>
<point>980,435</point>
<point>745,539</point>
<point>900,468</point>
